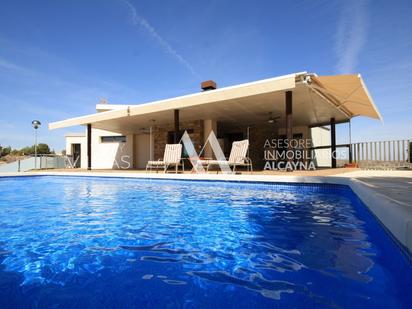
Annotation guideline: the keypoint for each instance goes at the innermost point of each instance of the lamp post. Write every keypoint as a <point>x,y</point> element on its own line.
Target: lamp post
<point>36,124</point>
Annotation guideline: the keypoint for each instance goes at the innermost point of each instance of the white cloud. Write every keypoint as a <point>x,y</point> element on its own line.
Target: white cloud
<point>167,48</point>
<point>9,66</point>
<point>27,93</point>
<point>351,35</point>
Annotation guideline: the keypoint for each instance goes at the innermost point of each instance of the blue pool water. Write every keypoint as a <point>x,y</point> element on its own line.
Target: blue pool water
<point>116,243</point>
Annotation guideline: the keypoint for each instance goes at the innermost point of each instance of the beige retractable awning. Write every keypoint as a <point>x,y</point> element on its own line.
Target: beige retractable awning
<point>350,94</point>
<point>316,99</point>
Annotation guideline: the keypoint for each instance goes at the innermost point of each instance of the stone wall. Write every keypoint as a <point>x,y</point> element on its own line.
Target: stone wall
<point>258,135</point>
<point>160,136</point>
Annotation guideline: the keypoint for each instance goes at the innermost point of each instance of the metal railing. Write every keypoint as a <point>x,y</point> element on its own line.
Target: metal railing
<point>382,151</point>
<point>392,154</point>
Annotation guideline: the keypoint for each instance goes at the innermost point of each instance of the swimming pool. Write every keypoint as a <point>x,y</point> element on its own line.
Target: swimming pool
<point>110,242</point>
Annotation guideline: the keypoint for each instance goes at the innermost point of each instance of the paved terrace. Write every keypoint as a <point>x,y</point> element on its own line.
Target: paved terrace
<point>318,172</point>
<point>388,194</point>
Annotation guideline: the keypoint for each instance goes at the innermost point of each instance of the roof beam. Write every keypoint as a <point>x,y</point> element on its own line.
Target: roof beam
<point>322,124</point>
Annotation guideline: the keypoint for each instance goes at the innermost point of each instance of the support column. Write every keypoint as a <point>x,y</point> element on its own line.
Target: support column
<point>209,125</point>
<point>333,141</point>
<point>176,119</point>
<point>350,143</point>
<point>89,146</point>
<point>289,121</point>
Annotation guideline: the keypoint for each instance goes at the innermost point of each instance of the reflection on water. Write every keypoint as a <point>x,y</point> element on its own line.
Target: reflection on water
<point>242,244</point>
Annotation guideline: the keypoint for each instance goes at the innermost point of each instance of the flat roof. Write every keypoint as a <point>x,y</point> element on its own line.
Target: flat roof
<point>316,99</point>
<point>75,134</point>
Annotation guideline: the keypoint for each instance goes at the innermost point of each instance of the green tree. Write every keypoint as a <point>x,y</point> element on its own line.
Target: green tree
<point>27,150</point>
<point>43,149</point>
<point>16,152</point>
<point>5,151</point>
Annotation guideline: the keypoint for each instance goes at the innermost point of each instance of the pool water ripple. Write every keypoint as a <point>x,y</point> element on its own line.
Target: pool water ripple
<point>111,242</point>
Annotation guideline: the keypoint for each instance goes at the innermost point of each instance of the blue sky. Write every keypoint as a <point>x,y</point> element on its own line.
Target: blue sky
<point>59,58</point>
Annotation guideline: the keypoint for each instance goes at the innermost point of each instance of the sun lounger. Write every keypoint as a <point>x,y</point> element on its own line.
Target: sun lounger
<point>171,158</point>
<point>238,157</point>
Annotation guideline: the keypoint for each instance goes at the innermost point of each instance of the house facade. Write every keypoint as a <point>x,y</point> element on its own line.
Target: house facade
<point>297,106</point>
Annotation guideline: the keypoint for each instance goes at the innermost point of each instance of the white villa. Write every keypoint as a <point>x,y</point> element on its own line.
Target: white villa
<point>300,105</point>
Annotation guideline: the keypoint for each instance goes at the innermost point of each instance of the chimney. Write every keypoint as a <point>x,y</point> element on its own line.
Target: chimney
<point>208,85</point>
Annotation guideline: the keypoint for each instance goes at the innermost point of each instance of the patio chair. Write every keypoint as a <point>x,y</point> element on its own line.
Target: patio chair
<point>238,157</point>
<point>171,157</point>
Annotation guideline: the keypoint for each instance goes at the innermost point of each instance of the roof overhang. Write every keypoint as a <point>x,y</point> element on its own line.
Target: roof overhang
<point>316,99</point>
<point>76,134</point>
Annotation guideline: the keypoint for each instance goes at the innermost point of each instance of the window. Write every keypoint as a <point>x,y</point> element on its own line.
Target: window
<point>113,139</point>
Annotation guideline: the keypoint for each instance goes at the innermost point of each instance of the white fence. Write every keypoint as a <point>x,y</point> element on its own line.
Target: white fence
<point>383,151</point>
<point>43,162</point>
